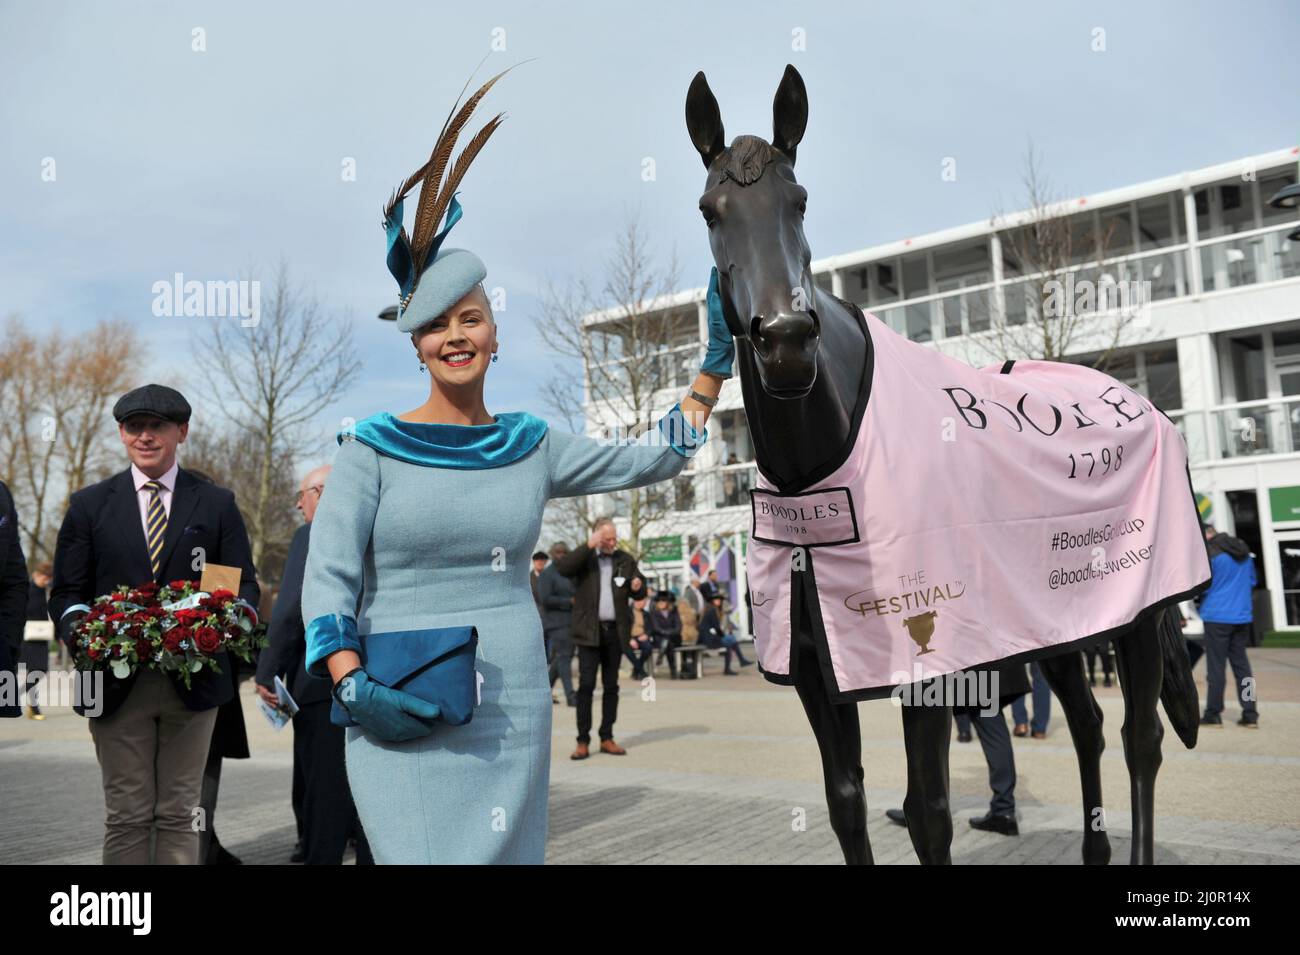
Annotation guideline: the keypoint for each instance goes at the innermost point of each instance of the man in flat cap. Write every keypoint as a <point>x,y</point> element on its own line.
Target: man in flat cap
<point>155,522</point>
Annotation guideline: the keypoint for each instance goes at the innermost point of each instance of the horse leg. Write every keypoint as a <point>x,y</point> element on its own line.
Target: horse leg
<point>839,739</point>
<point>926,734</point>
<point>1065,675</point>
<point>1141,670</point>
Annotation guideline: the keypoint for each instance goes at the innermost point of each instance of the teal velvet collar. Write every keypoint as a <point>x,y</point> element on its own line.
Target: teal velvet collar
<point>463,446</point>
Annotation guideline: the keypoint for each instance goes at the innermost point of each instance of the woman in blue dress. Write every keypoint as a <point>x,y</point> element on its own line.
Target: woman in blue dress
<point>429,520</point>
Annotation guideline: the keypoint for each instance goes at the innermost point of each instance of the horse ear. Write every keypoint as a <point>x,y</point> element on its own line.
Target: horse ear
<point>789,112</point>
<point>704,120</point>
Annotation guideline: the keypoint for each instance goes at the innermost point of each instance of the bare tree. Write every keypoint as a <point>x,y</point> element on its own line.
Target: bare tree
<point>223,456</point>
<point>56,434</point>
<point>1064,302</point>
<point>270,378</point>
<point>626,355</point>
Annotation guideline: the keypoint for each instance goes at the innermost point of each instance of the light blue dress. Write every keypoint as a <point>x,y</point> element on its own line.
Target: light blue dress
<point>434,525</point>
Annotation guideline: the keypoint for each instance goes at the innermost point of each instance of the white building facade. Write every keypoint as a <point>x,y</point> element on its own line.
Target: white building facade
<point>1217,348</point>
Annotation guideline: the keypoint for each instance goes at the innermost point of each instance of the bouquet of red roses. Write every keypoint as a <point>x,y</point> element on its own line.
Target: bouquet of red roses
<point>176,629</point>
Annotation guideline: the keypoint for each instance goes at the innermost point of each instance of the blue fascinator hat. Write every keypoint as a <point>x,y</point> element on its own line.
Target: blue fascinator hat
<point>431,279</point>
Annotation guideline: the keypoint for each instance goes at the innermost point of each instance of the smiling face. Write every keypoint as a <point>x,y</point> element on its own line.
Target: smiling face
<point>458,345</point>
<point>754,208</point>
<point>151,442</point>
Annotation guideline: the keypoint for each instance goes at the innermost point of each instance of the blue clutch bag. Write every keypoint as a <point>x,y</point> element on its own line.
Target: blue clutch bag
<point>436,665</point>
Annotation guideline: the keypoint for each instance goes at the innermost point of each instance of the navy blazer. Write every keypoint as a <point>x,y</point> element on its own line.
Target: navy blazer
<point>101,546</point>
<point>286,653</point>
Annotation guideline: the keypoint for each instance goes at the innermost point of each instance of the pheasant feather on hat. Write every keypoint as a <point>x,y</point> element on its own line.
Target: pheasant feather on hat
<point>430,278</point>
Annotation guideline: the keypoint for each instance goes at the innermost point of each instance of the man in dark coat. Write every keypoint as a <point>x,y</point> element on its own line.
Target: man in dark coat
<point>13,603</point>
<point>555,594</point>
<point>605,578</point>
<point>1010,682</point>
<point>156,522</point>
<point>328,814</point>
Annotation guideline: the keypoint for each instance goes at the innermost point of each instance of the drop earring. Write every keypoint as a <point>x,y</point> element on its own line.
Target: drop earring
<point>494,357</point>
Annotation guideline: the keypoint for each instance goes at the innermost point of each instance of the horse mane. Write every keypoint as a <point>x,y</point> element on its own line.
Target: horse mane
<point>746,159</point>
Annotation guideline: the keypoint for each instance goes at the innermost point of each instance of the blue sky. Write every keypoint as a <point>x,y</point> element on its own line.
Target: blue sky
<point>209,163</point>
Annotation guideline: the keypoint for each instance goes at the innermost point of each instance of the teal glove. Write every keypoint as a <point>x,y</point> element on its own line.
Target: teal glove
<point>393,715</point>
<point>721,351</point>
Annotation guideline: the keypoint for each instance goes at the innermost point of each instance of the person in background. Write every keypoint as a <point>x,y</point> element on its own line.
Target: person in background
<point>1227,614</point>
<point>1035,726</point>
<point>329,815</point>
<point>640,647</point>
<point>709,587</point>
<point>36,651</point>
<point>13,597</point>
<point>664,628</point>
<point>1100,650</point>
<point>1011,683</point>
<point>539,564</point>
<point>714,632</point>
<point>555,598</point>
<point>605,579</point>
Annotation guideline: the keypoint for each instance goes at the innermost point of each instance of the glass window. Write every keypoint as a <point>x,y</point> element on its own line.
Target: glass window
<point>1016,303</point>
<point>1237,207</point>
<point>884,283</point>
<point>1082,239</point>
<point>916,276</point>
<point>1247,358</point>
<point>1286,345</point>
<point>1116,231</point>
<point>968,264</point>
<point>978,310</point>
<point>1157,225</point>
<point>1163,385</point>
<point>1231,203</point>
<point>1288,552</point>
<point>1269,185</point>
<point>917,318</point>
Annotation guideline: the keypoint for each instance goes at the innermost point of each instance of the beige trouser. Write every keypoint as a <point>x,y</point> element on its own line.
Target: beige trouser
<point>151,755</point>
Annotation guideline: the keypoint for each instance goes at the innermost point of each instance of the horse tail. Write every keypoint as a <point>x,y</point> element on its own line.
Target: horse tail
<point>1178,690</point>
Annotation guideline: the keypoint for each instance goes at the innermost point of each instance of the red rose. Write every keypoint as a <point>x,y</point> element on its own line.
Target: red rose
<point>94,653</point>
<point>208,639</point>
<point>222,594</point>
<point>188,616</point>
<point>179,584</point>
<point>173,637</point>
<point>143,649</point>
<point>119,595</point>
<point>149,589</point>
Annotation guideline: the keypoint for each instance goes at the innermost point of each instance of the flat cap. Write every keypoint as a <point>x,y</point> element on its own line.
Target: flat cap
<point>158,400</point>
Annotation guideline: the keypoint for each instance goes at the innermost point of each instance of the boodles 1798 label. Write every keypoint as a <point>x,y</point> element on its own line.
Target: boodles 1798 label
<point>818,518</point>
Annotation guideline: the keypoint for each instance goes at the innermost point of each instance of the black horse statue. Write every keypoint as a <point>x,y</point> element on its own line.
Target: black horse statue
<point>802,355</point>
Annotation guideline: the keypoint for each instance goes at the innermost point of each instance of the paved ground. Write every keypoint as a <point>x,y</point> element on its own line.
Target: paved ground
<point>724,771</point>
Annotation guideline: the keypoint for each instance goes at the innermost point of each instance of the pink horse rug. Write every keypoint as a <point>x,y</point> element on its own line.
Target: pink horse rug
<point>981,515</point>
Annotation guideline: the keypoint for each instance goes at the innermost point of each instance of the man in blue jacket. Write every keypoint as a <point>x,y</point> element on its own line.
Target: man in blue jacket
<point>1226,611</point>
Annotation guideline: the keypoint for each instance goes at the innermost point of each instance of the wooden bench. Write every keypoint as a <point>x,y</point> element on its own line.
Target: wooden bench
<point>695,651</point>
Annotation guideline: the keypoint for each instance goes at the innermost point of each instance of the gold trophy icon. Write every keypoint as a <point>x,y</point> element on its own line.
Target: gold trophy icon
<point>921,628</point>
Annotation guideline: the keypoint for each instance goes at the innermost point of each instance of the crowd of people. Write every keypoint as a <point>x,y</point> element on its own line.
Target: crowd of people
<point>595,601</point>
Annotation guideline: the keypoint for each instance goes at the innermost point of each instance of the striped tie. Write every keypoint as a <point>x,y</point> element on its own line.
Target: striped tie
<point>156,524</point>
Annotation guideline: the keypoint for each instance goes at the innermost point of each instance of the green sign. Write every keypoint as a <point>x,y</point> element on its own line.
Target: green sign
<point>1284,502</point>
<point>661,550</point>
<point>1205,508</point>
